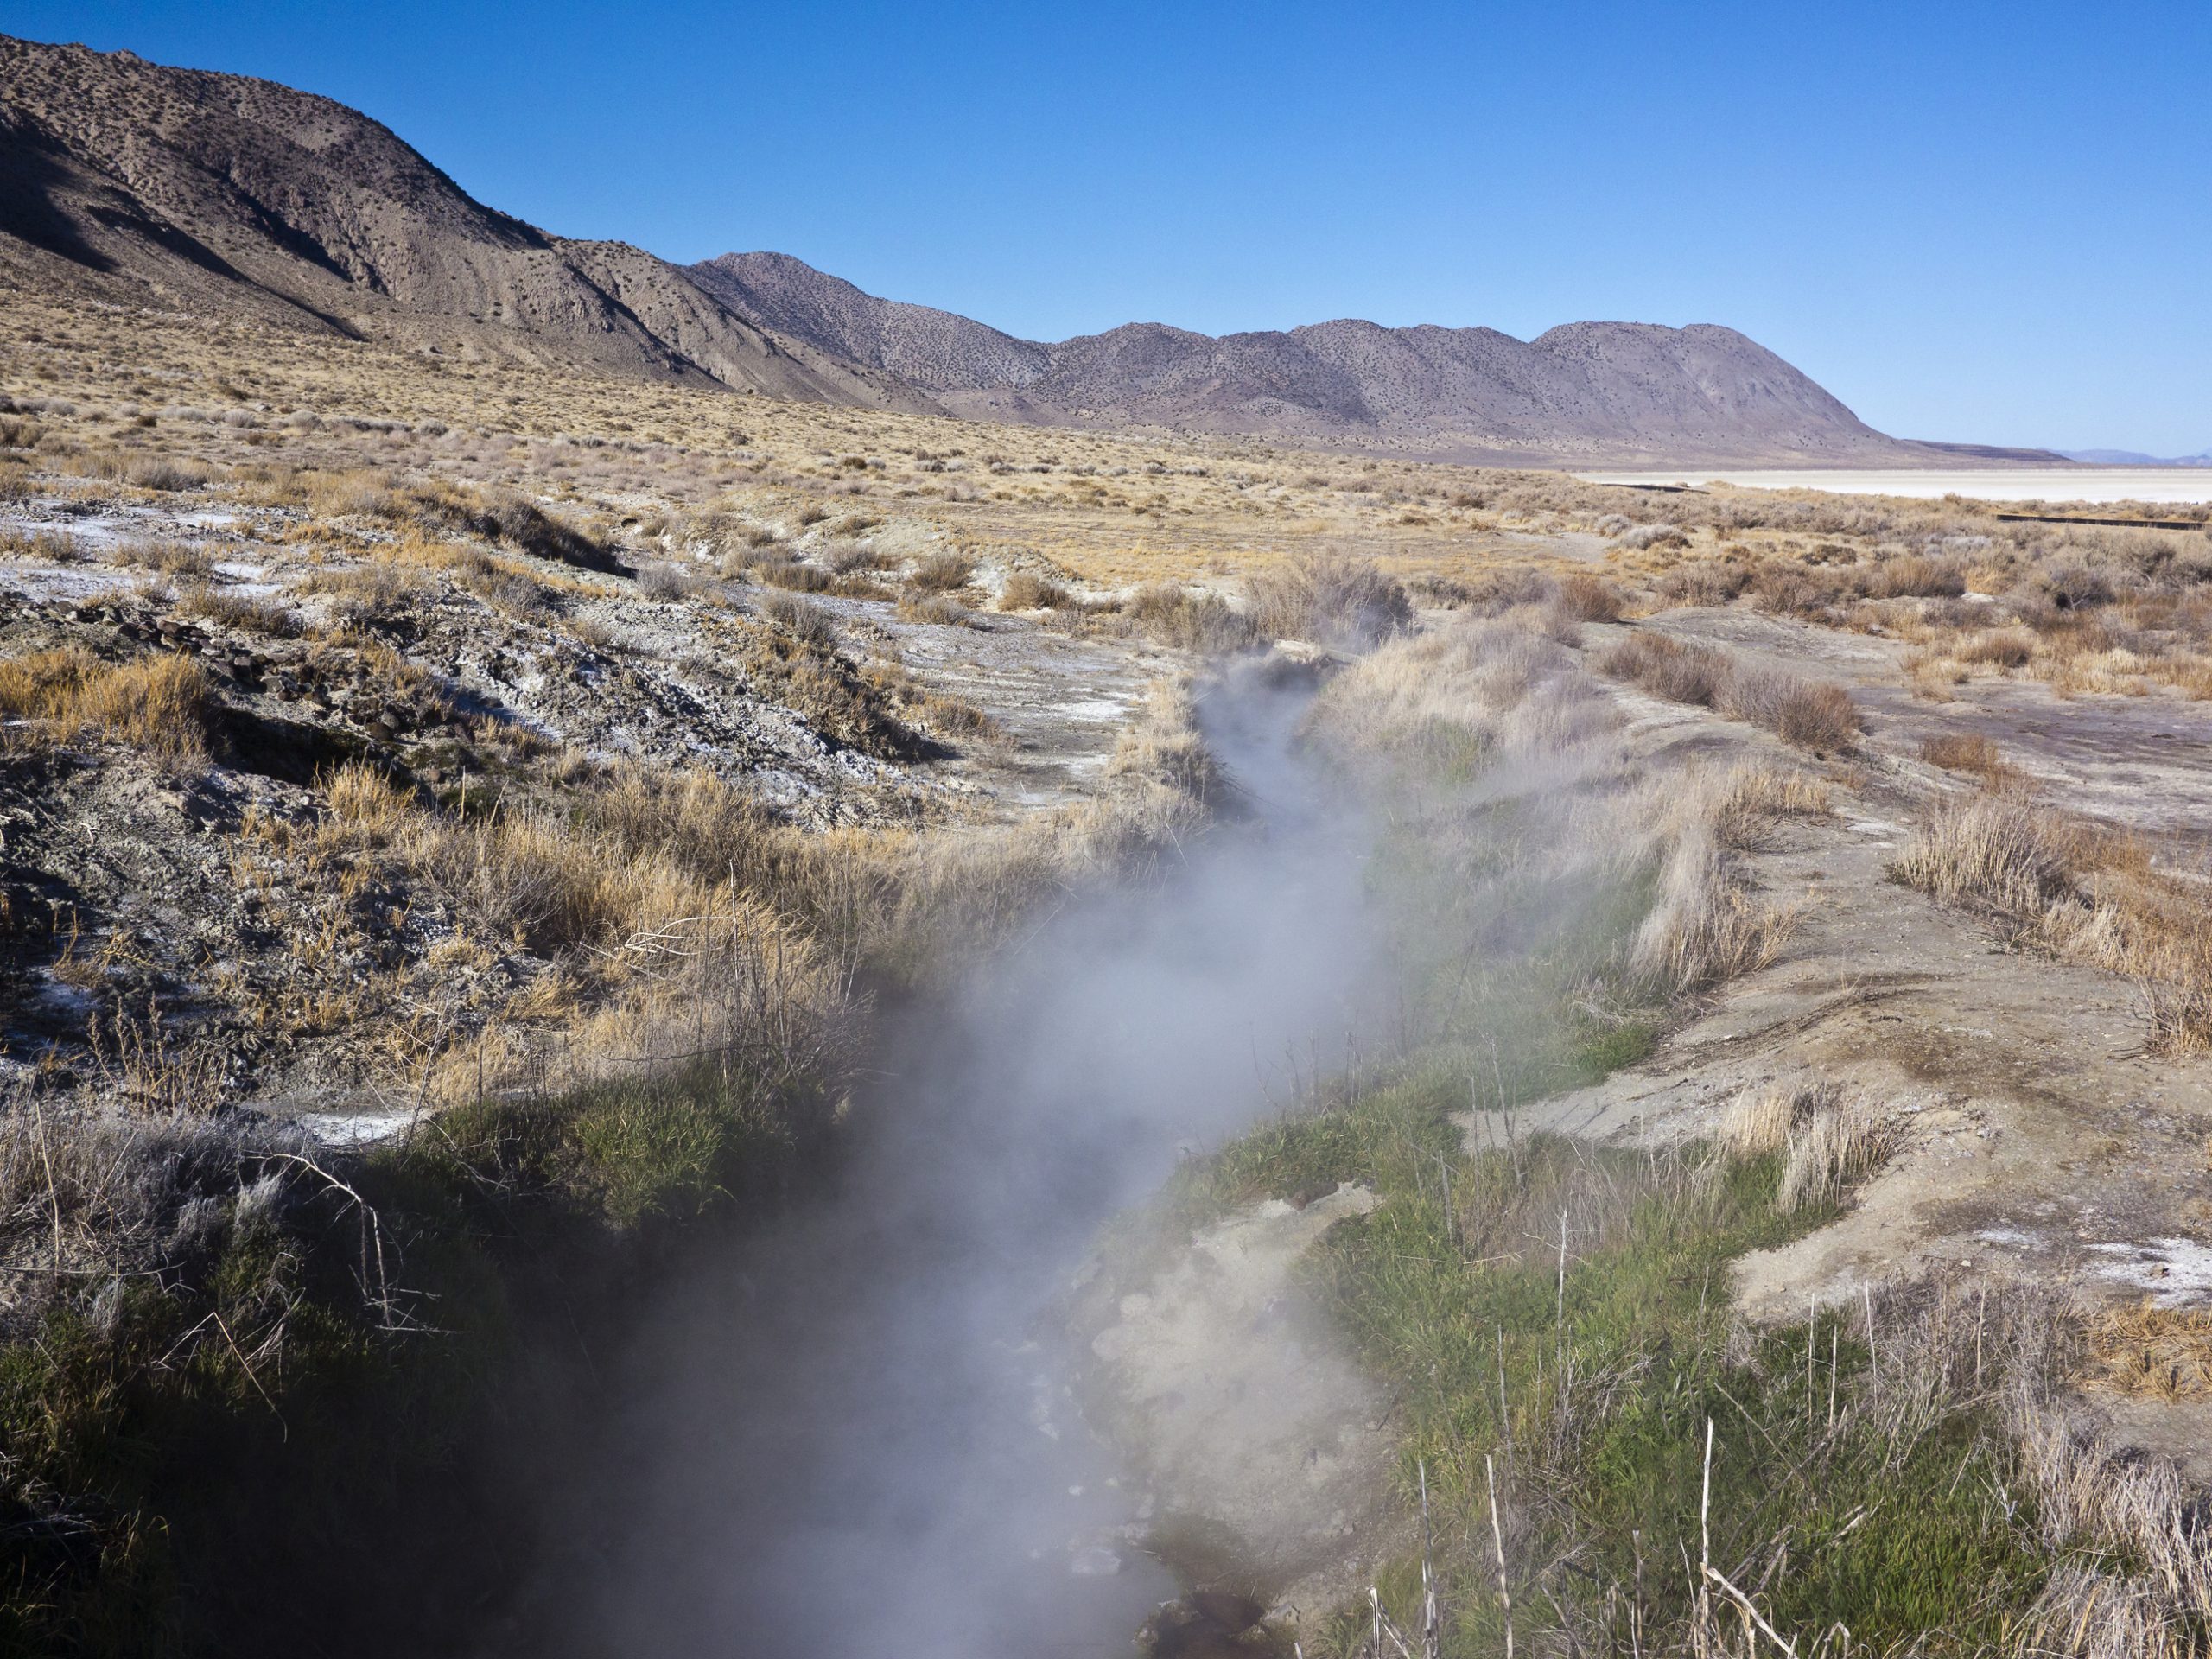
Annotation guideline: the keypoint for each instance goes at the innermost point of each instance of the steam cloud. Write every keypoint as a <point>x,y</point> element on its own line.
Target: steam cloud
<point>849,1440</point>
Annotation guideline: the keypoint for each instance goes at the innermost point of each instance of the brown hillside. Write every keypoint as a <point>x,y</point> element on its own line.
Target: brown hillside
<point>218,193</point>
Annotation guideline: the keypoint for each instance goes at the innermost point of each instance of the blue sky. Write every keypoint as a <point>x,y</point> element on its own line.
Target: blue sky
<point>1978,222</point>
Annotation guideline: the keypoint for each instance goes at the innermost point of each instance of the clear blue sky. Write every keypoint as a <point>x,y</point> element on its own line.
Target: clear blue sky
<point>1988,222</point>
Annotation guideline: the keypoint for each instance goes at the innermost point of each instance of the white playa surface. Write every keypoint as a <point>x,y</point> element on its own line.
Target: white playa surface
<point>2087,484</point>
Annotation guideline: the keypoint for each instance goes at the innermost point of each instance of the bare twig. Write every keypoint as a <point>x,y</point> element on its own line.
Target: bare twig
<point>1752,1612</point>
<point>1497,1541</point>
<point>53,1193</point>
<point>374,1226</point>
<point>1704,1539</point>
<point>1432,1625</point>
<point>247,1365</point>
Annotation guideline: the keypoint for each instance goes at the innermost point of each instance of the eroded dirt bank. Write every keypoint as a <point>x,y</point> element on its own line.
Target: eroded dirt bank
<point>855,1436</point>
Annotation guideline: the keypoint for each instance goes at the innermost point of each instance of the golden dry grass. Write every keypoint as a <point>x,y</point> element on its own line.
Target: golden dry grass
<point>1973,752</point>
<point>159,704</point>
<point>1024,590</point>
<point>643,891</point>
<point>2081,890</point>
<point>2144,1349</point>
<point>1834,1143</point>
<point>1810,714</point>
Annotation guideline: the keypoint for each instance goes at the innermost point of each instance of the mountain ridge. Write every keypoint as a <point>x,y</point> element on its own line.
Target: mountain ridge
<point>193,189</point>
<point>2135,458</point>
<point>1601,390</point>
<point>141,182</point>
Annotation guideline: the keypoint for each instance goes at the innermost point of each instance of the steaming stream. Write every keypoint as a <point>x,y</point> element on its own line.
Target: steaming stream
<point>852,1439</point>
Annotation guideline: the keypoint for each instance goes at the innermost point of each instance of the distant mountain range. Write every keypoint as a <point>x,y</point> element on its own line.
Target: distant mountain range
<point>212,192</point>
<point>2132,458</point>
<point>1609,390</point>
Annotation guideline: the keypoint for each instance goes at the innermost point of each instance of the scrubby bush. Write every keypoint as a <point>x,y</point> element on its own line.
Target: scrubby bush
<point>942,573</point>
<point>1915,577</point>
<point>1998,648</point>
<point>1786,587</point>
<point>2077,587</point>
<point>931,607</point>
<point>809,622</point>
<point>1707,582</point>
<point>1812,714</point>
<point>1589,598</point>
<point>1332,599</point>
<point>1667,668</point>
<point>1191,620</point>
<point>793,575</point>
<point>1024,590</point>
<point>167,473</point>
<point>852,557</point>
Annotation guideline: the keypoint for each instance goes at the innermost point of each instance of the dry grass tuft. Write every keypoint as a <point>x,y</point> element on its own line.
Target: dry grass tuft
<point>1024,590</point>
<point>2164,1352</point>
<point>1705,928</point>
<point>942,573</point>
<point>939,608</point>
<point>1834,1144</point>
<point>1330,598</point>
<point>1590,599</point>
<point>2079,890</point>
<point>1972,753</point>
<point>793,575</point>
<point>1830,1143</point>
<point>245,612</point>
<point>1915,577</point>
<point>1759,1121</point>
<point>164,473</point>
<point>1667,668</point>
<point>810,622</point>
<point>170,558</point>
<point>366,801</point>
<point>1989,851</point>
<point>1190,620</point>
<point>1749,798</point>
<point>159,704</point>
<point>1807,714</point>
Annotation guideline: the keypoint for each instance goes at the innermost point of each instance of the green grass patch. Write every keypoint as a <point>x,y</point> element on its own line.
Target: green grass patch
<point>1589,1395</point>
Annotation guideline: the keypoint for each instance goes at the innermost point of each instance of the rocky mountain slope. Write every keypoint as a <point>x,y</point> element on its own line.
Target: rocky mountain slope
<point>935,350</point>
<point>189,190</point>
<point>1612,390</point>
